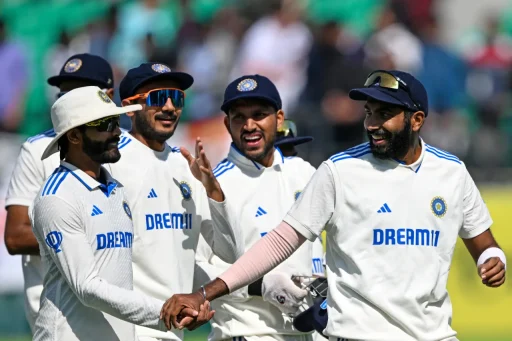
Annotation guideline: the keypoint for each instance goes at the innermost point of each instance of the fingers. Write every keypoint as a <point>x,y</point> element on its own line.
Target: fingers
<point>491,268</point>
<point>186,154</point>
<point>498,283</point>
<point>199,147</point>
<point>496,278</point>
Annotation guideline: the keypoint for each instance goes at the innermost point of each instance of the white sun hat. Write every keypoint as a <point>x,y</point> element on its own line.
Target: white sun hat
<point>78,107</point>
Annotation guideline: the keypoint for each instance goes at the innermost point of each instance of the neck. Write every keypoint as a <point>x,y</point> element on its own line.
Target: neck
<point>413,154</point>
<point>84,163</point>
<point>153,144</point>
<point>268,160</point>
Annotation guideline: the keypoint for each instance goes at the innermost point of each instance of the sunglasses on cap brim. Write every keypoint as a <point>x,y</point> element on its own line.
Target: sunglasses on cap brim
<point>387,80</point>
<point>287,129</point>
<point>107,124</point>
<point>158,97</point>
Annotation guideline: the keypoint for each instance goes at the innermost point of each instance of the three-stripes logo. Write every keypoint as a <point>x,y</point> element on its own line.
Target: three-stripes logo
<point>384,209</point>
<point>260,212</point>
<point>152,194</point>
<point>95,211</point>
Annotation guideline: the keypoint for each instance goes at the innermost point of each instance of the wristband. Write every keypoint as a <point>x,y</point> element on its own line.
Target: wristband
<point>492,252</point>
<point>203,292</point>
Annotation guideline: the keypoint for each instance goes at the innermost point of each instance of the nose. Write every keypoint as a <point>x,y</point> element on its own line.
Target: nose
<point>250,124</point>
<point>117,131</point>
<point>168,106</point>
<point>372,123</point>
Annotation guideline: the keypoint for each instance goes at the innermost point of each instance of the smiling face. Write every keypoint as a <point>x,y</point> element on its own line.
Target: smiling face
<point>156,123</point>
<point>252,124</point>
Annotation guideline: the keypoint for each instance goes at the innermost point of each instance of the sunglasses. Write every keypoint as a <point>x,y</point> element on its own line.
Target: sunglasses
<point>287,129</point>
<point>107,124</point>
<point>158,97</point>
<point>388,81</point>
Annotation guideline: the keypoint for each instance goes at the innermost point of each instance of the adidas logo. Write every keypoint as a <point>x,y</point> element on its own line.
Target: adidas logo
<point>384,209</point>
<point>95,211</point>
<point>152,194</point>
<point>260,212</point>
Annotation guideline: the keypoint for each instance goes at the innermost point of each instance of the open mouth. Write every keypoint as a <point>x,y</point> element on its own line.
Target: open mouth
<point>378,140</point>
<point>253,139</point>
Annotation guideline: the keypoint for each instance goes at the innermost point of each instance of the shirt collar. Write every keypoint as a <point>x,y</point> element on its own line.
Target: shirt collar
<point>236,156</point>
<point>416,165</point>
<point>89,182</point>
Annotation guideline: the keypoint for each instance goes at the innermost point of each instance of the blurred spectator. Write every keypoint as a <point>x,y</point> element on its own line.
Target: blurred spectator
<point>102,32</point>
<point>277,46</point>
<point>13,81</point>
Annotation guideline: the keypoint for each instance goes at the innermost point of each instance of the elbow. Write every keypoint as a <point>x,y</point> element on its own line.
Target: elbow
<point>12,245</point>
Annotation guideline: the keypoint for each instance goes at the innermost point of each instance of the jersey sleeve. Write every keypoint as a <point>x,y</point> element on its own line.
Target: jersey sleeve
<point>27,178</point>
<point>61,225</point>
<point>315,206</point>
<point>220,229</point>
<point>476,215</point>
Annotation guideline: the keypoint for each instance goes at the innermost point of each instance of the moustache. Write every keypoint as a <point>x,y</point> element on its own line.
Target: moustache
<point>380,132</point>
<point>169,116</point>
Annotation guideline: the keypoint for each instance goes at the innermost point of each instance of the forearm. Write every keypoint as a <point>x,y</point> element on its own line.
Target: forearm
<point>19,237</point>
<point>266,254</point>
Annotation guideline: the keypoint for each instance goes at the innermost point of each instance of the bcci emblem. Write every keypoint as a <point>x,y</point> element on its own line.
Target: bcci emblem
<point>247,85</point>
<point>160,68</point>
<point>127,210</point>
<point>53,240</point>
<point>297,195</point>
<point>104,97</point>
<point>73,65</point>
<point>186,191</point>
<point>438,206</point>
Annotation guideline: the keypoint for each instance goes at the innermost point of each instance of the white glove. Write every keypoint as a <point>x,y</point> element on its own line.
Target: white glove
<point>278,289</point>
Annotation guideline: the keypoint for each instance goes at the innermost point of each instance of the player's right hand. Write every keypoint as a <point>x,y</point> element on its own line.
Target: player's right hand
<point>184,311</point>
<point>280,290</point>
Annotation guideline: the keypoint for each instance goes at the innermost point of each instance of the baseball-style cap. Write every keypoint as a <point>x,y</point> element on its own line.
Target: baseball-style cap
<point>287,135</point>
<point>147,72</point>
<point>393,87</point>
<point>252,86</point>
<point>78,107</point>
<point>314,318</point>
<point>86,67</point>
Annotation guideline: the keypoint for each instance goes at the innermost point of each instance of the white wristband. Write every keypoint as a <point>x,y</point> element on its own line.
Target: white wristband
<point>492,252</point>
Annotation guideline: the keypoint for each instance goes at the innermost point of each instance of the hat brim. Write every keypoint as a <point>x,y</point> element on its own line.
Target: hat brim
<point>57,80</point>
<point>226,105</point>
<point>52,148</point>
<point>304,321</point>
<point>184,79</point>
<point>294,141</point>
<point>377,94</point>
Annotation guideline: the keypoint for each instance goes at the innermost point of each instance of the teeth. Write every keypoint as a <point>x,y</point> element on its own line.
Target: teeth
<point>378,137</point>
<point>252,138</point>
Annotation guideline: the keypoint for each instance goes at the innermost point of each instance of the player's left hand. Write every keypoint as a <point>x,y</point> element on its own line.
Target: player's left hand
<point>202,170</point>
<point>184,311</point>
<point>492,272</point>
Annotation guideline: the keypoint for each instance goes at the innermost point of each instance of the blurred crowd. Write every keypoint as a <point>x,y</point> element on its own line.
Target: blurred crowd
<point>315,51</point>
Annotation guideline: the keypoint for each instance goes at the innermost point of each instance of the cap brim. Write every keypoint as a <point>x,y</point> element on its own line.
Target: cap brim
<point>225,106</point>
<point>52,148</point>
<point>377,94</point>
<point>57,80</point>
<point>184,79</point>
<point>304,321</point>
<point>294,141</point>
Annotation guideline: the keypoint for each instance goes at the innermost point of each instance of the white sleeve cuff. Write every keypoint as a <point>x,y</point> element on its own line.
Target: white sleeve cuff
<point>299,227</point>
<point>465,234</point>
<point>18,202</point>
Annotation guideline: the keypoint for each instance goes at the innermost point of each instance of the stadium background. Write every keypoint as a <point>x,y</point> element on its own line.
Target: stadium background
<point>461,50</point>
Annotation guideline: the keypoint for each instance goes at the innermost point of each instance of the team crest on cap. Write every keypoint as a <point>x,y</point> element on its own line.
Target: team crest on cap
<point>127,210</point>
<point>160,68</point>
<point>297,195</point>
<point>247,84</point>
<point>73,65</point>
<point>104,97</point>
<point>186,191</point>
<point>438,206</point>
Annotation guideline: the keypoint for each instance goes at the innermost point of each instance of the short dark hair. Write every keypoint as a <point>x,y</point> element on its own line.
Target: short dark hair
<point>63,143</point>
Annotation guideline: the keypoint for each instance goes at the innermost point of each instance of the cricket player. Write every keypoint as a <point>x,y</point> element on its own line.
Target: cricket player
<point>30,172</point>
<point>82,222</point>
<point>175,197</point>
<point>265,184</point>
<point>392,209</point>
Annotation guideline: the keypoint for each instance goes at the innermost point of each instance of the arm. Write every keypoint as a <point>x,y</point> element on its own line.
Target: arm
<point>26,181</point>
<point>76,263</point>
<point>477,236</point>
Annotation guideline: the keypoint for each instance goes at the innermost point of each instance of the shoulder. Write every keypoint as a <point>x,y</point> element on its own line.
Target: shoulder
<point>298,165</point>
<point>40,141</point>
<point>224,169</point>
<point>59,184</point>
<point>357,153</point>
<point>442,157</point>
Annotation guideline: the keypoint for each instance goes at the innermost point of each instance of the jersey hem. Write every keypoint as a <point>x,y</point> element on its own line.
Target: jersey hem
<point>477,230</point>
<point>18,202</point>
<point>299,227</point>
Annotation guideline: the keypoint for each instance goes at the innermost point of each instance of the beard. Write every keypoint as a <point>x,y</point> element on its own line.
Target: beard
<point>253,155</point>
<point>397,145</point>
<point>101,151</point>
<point>149,132</point>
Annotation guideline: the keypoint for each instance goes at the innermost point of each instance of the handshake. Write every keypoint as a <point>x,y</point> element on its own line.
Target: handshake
<point>193,310</point>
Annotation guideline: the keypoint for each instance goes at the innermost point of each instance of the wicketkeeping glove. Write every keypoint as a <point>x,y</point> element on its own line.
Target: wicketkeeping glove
<point>278,289</point>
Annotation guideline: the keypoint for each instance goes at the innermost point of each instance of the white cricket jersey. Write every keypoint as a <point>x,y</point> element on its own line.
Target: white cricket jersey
<point>170,210</point>
<point>85,235</point>
<point>391,230</point>
<point>28,176</point>
<point>263,197</point>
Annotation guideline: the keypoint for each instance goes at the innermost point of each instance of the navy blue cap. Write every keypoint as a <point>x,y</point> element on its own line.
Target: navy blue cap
<point>407,99</point>
<point>147,72</point>
<point>251,86</point>
<point>315,318</point>
<point>293,141</point>
<point>86,67</point>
